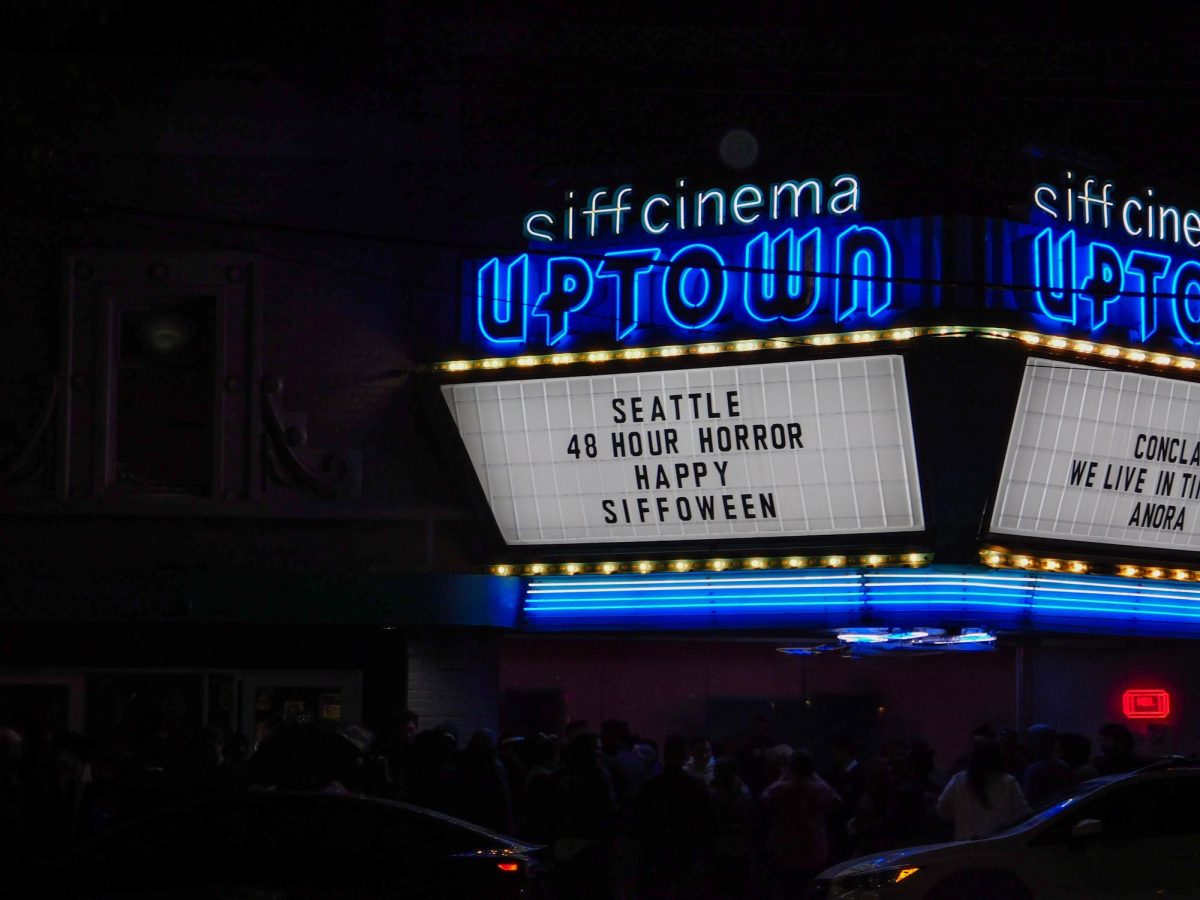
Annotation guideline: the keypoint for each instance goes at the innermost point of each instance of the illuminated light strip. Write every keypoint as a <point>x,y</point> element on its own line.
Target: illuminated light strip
<point>1038,600</point>
<point>722,564</point>
<point>743,345</point>
<point>1118,588</point>
<point>704,584</point>
<point>839,591</point>
<point>999,558</point>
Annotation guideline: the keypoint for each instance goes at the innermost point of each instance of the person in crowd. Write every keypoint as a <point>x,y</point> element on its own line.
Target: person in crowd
<point>980,733</point>
<point>646,749</point>
<point>730,869</point>
<point>537,814</point>
<point>1116,751</point>
<point>210,773</point>
<point>430,769</point>
<point>511,754</point>
<point>481,785</point>
<point>701,761</point>
<point>875,825</point>
<point>775,762</point>
<point>675,824</point>
<point>984,798</point>
<point>394,747</point>
<point>1076,751</point>
<point>796,808</point>
<point>918,786</point>
<point>627,773</point>
<point>1015,756</point>
<point>625,768</point>
<point>751,758</point>
<point>105,803</point>
<point>584,820</point>
<point>845,776</point>
<point>1046,776</point>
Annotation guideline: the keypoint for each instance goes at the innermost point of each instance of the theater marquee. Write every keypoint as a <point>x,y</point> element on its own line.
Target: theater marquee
<point>777,450</point>
<point>1103,455</point>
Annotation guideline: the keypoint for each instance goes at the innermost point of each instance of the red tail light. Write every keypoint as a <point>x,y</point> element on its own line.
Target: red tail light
<point>509,867</point>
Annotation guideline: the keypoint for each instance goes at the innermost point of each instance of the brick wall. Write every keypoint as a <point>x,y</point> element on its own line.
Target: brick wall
<point>453,676</point>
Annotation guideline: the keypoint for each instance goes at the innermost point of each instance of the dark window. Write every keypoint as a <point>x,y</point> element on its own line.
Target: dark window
<point>1146,810</point>
<point>165,398</point>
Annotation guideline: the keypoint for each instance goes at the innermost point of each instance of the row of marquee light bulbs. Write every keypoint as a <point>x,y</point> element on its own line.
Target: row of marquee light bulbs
<point>1032,339</point>
<point>993,557</point>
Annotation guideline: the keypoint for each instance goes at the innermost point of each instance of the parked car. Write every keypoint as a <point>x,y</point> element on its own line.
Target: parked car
<point>1129,836</point>
<point>290,846</point>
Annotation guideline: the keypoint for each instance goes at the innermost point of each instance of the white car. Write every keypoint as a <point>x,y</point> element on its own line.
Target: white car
<point>1123,836</point>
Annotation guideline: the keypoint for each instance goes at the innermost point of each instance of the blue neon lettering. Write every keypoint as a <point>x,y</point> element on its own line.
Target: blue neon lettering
<point>501,313</point>
<point>569,288</point>
<point>686,307</point>
<point>782,279</point>
<point>1054,275</point>
<point>627,268</point>
<point>864,270</point>
<point>1105,282</point>
<point>1185,301</point>
<point>1150,269</point>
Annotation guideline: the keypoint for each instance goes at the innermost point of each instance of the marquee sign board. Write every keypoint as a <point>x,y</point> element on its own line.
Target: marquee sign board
<point>791,449</point>
<point>1105,456</point>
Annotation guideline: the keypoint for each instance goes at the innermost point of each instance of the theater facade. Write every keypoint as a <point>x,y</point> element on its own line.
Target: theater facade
<point>899,474</point>
<point>469,369</point>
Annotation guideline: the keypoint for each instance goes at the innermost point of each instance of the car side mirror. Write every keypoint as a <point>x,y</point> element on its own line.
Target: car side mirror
<point>1086,828</point>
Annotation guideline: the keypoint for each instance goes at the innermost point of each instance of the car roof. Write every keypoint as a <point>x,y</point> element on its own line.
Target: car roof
<point>263,796</point>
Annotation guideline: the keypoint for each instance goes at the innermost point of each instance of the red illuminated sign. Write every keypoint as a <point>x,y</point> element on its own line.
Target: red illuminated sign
<point>1146,704</point>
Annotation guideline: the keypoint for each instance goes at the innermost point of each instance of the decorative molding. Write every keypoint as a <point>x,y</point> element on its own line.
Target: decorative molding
<point>289,463</point>
<point>18,468</point>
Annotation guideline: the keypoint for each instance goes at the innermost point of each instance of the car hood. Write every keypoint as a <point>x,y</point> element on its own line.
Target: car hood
<point>926,854</point>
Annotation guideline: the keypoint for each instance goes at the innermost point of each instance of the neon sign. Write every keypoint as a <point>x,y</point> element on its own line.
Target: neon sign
<point>774,277</point>
<point>1090,284</point>
<point>659,213</point>
<point>799,265</point>
<point>1146,704</point>
<point>1138,217</point>
<point>615,267</point>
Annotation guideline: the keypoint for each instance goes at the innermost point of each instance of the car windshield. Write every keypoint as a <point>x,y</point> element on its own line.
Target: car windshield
<point>1048,809</point>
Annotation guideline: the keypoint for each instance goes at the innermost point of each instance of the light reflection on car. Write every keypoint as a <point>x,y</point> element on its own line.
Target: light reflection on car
<point>1122,836</point>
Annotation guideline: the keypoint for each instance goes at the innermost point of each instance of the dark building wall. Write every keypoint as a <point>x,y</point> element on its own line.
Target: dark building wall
<point>1077,685</point>
<point>711,686</point>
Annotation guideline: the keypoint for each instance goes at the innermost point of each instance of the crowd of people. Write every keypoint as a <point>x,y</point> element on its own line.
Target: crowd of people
<point>621,815</point>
